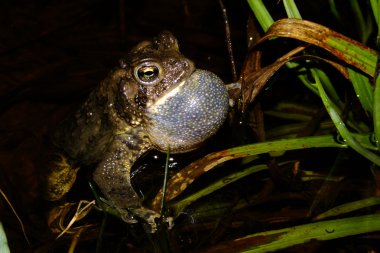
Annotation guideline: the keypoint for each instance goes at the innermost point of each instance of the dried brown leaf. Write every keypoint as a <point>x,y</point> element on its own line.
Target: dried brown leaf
<point>344,48</point>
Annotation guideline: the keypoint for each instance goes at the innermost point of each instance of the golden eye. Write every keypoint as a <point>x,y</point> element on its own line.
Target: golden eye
<point>148,73</point>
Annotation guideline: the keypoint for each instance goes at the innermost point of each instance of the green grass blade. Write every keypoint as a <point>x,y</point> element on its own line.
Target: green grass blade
<point>265,20</point>
<point>180,181</point>
<point>375,6</point>
<point>363,90</point>
<point>349,207</point>
<point>335,99</point>
<point>291,130</point>
<point>3,241</point>
<point>320,231</point>
<point>326,141</point>
<point>291,9</point>
<point>342,129</point>
<point>261,13</point>
<point>334,10</point>
<point>180,205</point>
<point>329,87</point>
<point>289,115</point>
<point>365,140</point>
<point>364,27</point>
<point>376,111</point>
<point>292,12</point>
<point>354,54</point>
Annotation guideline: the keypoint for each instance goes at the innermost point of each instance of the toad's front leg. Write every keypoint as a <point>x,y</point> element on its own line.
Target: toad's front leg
<point>113,176</point>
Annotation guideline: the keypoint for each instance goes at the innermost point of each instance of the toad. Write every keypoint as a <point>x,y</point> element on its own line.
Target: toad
<point>154,99</point>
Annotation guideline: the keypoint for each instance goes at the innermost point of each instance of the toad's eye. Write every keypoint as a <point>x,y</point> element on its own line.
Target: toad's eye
<point>148,73</point>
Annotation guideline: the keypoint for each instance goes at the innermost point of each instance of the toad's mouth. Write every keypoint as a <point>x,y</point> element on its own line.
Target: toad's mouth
<point>172,92</point>
<point>169,93</point>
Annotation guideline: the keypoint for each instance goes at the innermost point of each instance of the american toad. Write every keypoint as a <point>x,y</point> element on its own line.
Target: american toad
<point>155,99</point>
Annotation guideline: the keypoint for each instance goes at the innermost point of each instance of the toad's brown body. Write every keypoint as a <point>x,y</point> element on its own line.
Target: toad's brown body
<point>154,99</point>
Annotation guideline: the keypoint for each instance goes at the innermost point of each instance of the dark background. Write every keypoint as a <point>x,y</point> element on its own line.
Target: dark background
<point>53,53</point>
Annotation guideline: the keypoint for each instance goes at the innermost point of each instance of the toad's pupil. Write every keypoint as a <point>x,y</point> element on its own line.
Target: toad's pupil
<point>148,73</point>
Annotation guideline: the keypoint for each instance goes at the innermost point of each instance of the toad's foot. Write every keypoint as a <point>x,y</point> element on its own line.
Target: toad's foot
<point>150,218</point>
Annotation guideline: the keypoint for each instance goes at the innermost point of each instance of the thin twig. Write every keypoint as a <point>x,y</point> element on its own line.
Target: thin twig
<point>15,213</point>
<point>229,41</point>
<point>165,181</point>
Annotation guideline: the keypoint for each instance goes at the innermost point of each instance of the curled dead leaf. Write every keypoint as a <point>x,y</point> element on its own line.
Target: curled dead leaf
<point>59,215</point>
<point>347,50</point>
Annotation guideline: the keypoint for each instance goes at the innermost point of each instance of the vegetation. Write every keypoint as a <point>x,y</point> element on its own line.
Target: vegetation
<point>299,174</point>
<point>353,128</point>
